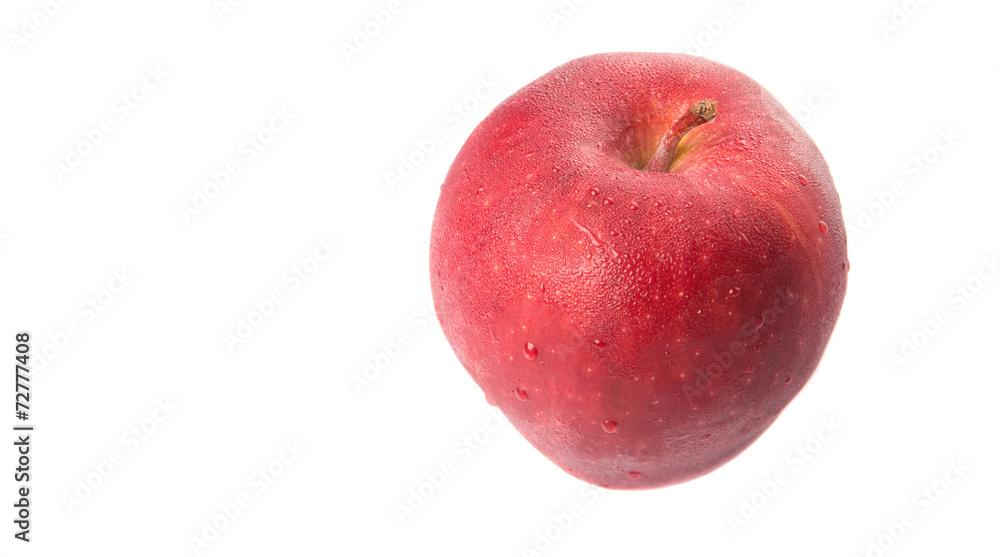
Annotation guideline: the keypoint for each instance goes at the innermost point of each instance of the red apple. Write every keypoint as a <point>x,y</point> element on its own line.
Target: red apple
<point>639,258</point>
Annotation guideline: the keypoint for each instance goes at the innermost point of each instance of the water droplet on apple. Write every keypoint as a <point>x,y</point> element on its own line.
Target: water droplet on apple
<point>756,348</point>
<point>600,343</point>
<point>705,437</point>
<point>610,426</point>
<point>530,351</point>
<point>608,201</point>
<point>758,321</point>
<point>595,191</point>
<point>480,190</point>
<point>734,291</point>
<point>521,394</point>
<point>593,239</point>
<point>802,180</point>
<point>688,205</point>
<point>744,240</point>
<point>788,380</point>
<point>633,206</point>
<point>657,203</point>
<point>634,475</point>
<point>750,368</point>
<point>823,227</point>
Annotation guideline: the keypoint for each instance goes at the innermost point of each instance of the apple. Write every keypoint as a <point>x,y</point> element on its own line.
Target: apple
<point>639,258</point>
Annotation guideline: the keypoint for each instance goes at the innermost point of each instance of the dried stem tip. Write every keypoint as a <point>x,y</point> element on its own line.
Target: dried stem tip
<point>700,113</point>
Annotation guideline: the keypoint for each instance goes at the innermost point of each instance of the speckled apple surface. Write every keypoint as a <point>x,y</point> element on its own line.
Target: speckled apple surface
<point>639,328</point>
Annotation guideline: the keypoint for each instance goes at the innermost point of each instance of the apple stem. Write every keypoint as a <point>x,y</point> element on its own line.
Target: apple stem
<point>700,113</point>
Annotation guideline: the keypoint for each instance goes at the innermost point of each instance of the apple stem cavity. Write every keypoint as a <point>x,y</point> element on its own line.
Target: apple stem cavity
<point>700,113</point>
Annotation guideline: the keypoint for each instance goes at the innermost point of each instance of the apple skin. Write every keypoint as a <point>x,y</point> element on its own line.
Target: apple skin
<point>639,328</point>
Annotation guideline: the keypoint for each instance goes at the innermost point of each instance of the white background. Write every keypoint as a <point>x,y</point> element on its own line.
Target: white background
<point>872,98</point>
